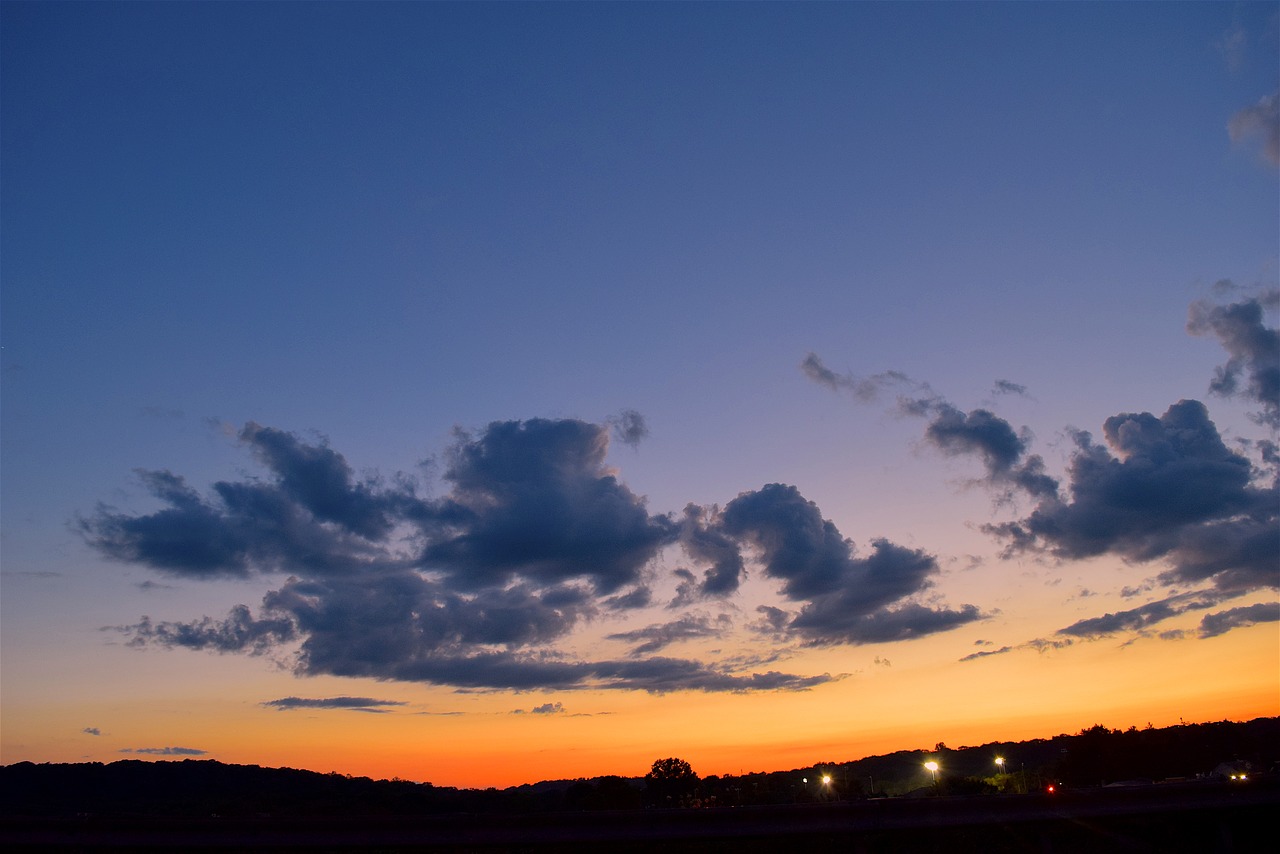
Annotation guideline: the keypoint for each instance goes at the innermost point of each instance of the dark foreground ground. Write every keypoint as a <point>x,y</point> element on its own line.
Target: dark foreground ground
<point>1192,817</point>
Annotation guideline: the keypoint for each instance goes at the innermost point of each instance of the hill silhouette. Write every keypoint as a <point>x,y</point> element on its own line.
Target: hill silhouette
<point>202,788</point>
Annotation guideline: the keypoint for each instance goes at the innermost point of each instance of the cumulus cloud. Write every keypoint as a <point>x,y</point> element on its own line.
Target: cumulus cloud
<point>1261,120</point>
<point>1163,488</point>
<point>473,589</point>
<point>707,544</point>
<point>982,433</point>
<point>1253,369</point>
<point>535,499</point>
<point>847,598</point>
<point>358,704</point>
<point>165,751</point>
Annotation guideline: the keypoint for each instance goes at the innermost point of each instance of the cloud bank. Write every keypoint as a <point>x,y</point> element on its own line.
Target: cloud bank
<point>478,588</point>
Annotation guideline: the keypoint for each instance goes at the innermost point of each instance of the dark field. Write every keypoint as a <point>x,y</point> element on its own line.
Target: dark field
<point>1194,817</point>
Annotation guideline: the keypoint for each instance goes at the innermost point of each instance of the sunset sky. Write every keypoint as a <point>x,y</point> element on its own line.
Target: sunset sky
<point>488,393</point>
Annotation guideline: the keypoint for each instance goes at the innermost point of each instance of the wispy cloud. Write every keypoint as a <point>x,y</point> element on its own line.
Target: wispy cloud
<point>953,431</point>
<point>359,704</point>
<point>655,638</point>
<point>1261,119</point>
<point>165,751</point>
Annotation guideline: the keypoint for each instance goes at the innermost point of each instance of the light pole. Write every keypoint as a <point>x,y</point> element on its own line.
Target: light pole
<point>932,767</point>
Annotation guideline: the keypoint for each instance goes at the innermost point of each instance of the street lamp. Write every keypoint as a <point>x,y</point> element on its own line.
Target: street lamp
<point>1000,762</point>
<point>932,768</point>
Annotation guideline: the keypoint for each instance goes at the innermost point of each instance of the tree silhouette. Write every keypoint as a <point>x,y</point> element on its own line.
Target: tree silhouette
<point>670,782</point>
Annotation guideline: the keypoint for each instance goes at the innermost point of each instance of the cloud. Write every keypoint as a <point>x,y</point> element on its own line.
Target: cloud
<point>1253,369</point>
<point>533,536</point>
<point>359,704</point>
<point>238,632</point>
<point>655,638</point>
<point>1224,621</point>
<point>1233,45</point>
<point>1141,618</point>
<point>954,432</point>
<point>1261,119</point>
<point>629,427</point>
<point>974,656</point>
<point>91,730</point>
<point>534,499</point>
<point>1164,488</point>
<point>848,599</point>
<point>705,543</point>
<point>864,389</point>
<point>982,433</point>
<point>1006,387</point>
<point>544,709</point>
<point>166,751</point>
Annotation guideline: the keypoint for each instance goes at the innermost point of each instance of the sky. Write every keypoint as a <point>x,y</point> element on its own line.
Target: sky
<point>489,393</point>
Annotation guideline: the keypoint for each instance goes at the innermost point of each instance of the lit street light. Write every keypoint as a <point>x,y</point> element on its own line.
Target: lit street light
<point>1000,762</point>
<point>933,769</point>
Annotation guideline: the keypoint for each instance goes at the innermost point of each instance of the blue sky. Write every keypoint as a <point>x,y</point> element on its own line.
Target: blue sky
<point>369,226</point>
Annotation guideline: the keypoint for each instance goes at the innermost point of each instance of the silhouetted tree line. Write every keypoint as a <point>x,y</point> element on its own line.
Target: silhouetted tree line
<point>190,787</point>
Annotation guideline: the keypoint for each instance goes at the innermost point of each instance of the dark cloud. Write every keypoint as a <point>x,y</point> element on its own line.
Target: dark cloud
<point>1164,488</point>
<point>1046,644</point>
<point>320,480</point>
<point>547,708</point>
<point>1141,618</point>
<point>848,599</point>
<point>535,499</point>
<point>629,427</point>
<point>953,431</point>
<point>91,730</point>
<point>974,656</point>
<point>706,544</point>
<point>865,389</point>
<point>165,751</point>
<point>361,704</point>
<point>533,536</point>
<point>1224,621</point>
<point>640,597</point>
<point>654,638</point>
<point>1261,119</point>
<point>239,632</point>
<point>982,433</point>
<point>1253,369</point>
<point>243,528</point>
<point>406,627</point>
<point>1006,387</point>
